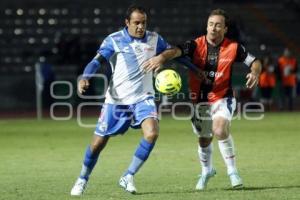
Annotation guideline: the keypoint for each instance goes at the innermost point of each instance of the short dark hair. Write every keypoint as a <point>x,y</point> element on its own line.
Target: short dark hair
<point>133,8</point>
<point>222,13</point>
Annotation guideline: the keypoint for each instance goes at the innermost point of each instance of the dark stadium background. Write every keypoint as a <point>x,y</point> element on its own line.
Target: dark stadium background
<point>68,34</point>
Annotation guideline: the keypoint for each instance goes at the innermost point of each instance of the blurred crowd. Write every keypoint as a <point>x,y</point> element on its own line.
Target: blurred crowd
<point>280,73</point>
<point>278,85</point>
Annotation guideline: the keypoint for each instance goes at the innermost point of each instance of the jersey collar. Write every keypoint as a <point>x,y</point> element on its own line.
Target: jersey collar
<point>212,45</point>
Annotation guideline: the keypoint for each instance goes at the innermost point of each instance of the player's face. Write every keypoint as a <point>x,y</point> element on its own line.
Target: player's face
<point>137,24</point>
<point>216,28</point>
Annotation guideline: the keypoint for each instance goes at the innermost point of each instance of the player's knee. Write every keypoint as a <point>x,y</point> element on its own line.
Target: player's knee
<point>204,142</point>
<point>94,148</point>
<point>151,134</point>
<point>97,144</point>
<point>151,138</point>
<point>219,133</point>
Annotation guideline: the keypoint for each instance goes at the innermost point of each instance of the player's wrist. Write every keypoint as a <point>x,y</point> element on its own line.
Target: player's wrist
<point>162,58</point>
<point>254,73</point>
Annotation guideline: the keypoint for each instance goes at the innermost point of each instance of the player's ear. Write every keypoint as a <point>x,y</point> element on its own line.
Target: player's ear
<point>225,29</point>
<point>127,22</point>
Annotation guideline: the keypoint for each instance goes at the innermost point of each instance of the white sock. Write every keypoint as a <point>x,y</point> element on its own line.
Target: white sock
<point>227,150</point>
<point>205,156</point>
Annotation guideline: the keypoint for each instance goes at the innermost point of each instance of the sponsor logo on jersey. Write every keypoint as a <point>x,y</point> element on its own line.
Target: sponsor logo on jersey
<point>125,49</point>
<point>214,74</point>
<point>138,49</point>
<point>149,48</point>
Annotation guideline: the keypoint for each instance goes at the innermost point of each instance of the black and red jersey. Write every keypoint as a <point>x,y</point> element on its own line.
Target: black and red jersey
<point>217,63</point>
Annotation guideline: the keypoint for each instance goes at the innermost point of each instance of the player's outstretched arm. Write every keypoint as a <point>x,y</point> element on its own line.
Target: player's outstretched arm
<point>253,76</point>
<point>198,72</point>
<point>89,71</point>
<point>155,62</point>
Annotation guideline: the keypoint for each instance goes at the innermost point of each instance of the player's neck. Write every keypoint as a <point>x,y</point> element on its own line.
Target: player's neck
<point>214,42</point>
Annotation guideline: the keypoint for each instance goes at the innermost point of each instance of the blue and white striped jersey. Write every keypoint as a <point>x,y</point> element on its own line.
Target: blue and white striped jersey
<point>126,54</point>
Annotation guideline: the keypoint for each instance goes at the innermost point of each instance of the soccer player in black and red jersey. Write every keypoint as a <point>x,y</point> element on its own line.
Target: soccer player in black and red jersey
<point>214,101</point>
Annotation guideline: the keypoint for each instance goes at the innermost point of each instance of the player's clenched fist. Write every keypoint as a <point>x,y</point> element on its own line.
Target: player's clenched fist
<point>83,84</point>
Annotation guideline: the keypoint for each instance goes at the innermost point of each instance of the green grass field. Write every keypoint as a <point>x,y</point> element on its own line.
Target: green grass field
<point>41,160</point>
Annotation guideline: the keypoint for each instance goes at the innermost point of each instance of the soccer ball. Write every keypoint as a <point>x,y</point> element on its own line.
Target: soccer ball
<point>168,82</point>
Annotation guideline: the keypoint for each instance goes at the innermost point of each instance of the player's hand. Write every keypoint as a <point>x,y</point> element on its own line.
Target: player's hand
<point>252,80</point>
<point>153,63</point>
<point>83,84</point>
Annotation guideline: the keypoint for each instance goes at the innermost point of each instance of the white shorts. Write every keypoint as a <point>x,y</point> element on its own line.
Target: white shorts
<point>205,113</point>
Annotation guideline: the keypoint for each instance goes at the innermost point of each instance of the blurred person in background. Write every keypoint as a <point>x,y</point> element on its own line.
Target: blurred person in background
<point>267,82</point>
<point>287,73</point>
<point>130,95</point>
<point>46,77</point>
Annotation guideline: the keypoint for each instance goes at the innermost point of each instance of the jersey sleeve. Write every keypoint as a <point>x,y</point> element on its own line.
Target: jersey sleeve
<point>188,48</point>
<point>244,56</point>
<point>106,48</point>
<point>162,45</point>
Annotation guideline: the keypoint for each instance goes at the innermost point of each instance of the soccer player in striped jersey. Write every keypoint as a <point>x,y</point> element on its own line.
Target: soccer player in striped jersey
<point>130,95</point>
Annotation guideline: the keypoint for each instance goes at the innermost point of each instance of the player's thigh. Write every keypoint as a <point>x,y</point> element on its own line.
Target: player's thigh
<point>150,129</point>
<point>142,111</point>
<point>222,113</point>
<point>220,127</point>
<point>223,108</point>
<point>201,121</point>
<point>113,120</point>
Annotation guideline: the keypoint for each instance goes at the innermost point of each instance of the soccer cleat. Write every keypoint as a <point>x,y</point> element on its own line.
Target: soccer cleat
<point>127,183</point>
<point>203,180</point>
<point>235,179</point>
<point>79,187</point>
